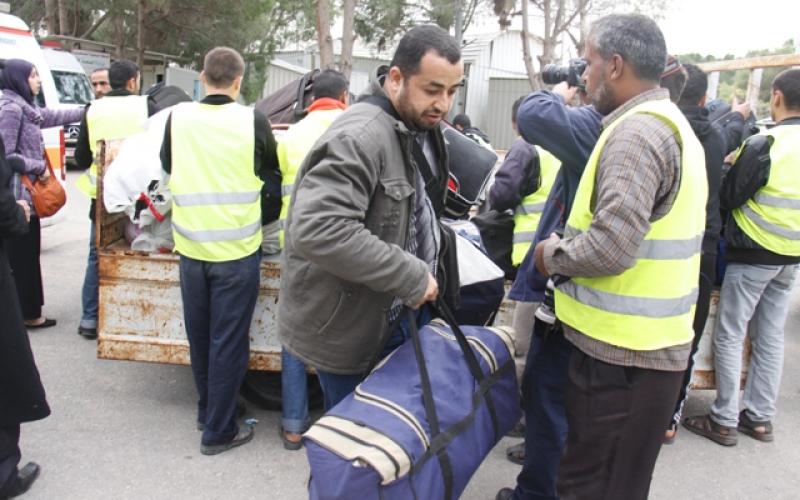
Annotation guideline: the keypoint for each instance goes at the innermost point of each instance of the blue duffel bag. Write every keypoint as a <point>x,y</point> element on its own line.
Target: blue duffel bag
<point>419,426</point>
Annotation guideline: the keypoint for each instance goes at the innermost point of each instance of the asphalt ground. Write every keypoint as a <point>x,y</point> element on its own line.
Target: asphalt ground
<point>126,430</point>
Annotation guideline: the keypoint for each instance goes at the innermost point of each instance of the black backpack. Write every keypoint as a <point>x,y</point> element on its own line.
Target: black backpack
<point>497,233</point>
<point>288,104</point>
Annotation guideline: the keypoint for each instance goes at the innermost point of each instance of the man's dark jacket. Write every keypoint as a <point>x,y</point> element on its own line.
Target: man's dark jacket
<point>715,148</point>
<point>22,397</point>
<point>740,183</point>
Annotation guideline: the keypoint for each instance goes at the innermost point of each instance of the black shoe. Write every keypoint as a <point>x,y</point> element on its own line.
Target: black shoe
<point>505,494</point>
<point>241,411</point>
<point>87,333</point>
<point>25,478</point>
<point>245,434</point>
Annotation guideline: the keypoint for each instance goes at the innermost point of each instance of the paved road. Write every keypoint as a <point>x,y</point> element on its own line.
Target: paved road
<point>126,430</point>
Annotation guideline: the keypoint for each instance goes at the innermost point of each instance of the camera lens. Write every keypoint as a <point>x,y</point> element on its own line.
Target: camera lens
<point>553,74</point>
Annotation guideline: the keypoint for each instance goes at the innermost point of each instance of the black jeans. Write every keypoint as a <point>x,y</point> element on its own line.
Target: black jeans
<point>543,386</point>
<point>616,417</point>
<point>708,274</point>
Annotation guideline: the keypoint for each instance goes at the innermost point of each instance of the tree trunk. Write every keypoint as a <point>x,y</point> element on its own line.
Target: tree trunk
<point>51,16</point>
<point>119,35</point>
<point>526,49</point>
<point>63,18</point>
<point>141,13</point>
<point>348,38</point>
<point>458,20</point>
<point>324,34</point>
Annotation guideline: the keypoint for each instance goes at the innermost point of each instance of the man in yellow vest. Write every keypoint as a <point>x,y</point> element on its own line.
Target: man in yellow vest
<point>121,113</point>
<point>331,95</point>
<point>626,271</point>
<point>762,192</point>
<point>219,155</point>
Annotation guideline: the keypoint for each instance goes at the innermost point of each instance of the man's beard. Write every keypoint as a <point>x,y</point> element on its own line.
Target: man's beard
<point>409,115</point>
<point>604,99</point>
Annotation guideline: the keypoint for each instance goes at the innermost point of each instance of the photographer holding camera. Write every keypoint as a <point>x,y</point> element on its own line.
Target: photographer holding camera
<point>569,133</point>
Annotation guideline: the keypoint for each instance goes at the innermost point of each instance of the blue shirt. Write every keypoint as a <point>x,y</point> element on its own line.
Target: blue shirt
<point>569,134</point>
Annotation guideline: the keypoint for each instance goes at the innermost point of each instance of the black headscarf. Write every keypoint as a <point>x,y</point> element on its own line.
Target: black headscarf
<point>15,78</point>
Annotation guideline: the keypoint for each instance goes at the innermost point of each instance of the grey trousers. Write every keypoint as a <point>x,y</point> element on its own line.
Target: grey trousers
<point>758,295</point>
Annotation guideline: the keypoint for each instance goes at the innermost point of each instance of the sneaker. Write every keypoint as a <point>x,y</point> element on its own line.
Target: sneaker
<point>244,435</point>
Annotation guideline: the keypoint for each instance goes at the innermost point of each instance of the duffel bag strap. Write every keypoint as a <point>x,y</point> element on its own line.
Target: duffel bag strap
<point>430,405</point>
<point>472,361</point>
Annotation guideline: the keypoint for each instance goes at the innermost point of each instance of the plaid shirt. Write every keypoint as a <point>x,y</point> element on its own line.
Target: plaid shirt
<point>637,180</point>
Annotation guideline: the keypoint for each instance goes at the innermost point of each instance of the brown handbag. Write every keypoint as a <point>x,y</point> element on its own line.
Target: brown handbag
<point>48,196</point>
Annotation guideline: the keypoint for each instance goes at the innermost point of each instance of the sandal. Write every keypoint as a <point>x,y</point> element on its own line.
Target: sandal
<point>753,428</point>
<point>516,453</point>
<point>702,425</point>
<point>47,323</point>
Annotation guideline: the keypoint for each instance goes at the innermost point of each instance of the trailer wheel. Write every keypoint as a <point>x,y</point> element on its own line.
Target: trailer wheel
<point>263,389</point>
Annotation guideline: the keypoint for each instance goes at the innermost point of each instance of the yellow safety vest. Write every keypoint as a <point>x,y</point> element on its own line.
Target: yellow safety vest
<point>293,147</point>
<point>112,117</point>
<point>772,216</point>
<point>216,212</point>
<point>651,305</point>
<point>528,213</point>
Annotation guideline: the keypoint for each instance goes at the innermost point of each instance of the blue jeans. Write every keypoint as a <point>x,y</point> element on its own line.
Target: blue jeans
<point>336,387</point>
<point>89,297</point>
<point>218,303</point>
<point>294,394</point>
<point>757,296</point>
<point>543,389</point>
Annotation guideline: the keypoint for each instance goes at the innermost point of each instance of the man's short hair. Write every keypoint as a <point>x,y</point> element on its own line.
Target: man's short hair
<point>696,85</point>
<point>221,66</point>
<point>419,41</point>
<point>636,38</point>
<point>788,82</point>
<point>329,83</point>
<point>515,108</point>
<point>97,70</point>
<point>462,121</point>
<point>120,72</point>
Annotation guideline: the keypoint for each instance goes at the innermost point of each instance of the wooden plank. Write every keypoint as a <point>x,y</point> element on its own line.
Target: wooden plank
<point>752,62</point>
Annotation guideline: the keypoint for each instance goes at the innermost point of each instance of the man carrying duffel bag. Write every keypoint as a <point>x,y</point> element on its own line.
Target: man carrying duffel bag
<point>362,233</point>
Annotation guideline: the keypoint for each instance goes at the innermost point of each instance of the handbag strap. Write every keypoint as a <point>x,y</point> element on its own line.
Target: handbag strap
<point>430,405</point>
<point>472,361</point>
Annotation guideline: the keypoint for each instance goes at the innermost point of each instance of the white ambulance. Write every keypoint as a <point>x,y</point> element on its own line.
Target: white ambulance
<point>17,42</point>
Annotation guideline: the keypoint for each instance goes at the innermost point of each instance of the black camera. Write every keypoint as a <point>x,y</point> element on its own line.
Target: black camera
<point>553,73</point>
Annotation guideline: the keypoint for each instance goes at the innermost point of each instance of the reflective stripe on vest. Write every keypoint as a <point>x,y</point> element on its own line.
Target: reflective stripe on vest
<point>771,217</point>
<point>293,146</point>
<point>529,212</point>
<point>112,117</point>
<point>651,305</point>
<point>216,216</point>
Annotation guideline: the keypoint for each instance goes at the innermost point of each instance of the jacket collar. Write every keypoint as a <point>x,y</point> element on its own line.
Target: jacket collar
<point>326,104</point>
